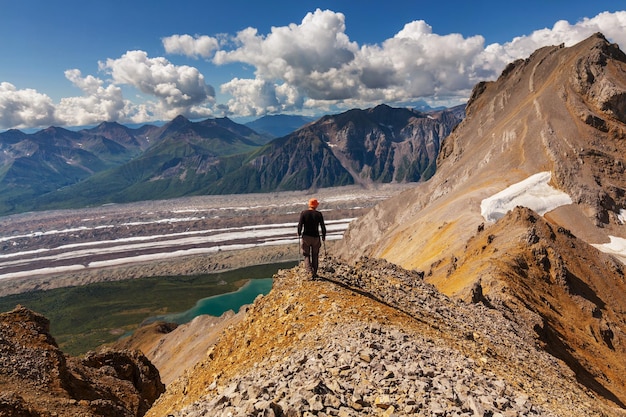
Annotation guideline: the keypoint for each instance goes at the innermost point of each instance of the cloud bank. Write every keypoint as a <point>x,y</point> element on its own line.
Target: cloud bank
<point>309,67</point>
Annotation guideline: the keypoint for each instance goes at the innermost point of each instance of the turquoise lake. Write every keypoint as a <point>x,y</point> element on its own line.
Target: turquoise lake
<point>219,304</point>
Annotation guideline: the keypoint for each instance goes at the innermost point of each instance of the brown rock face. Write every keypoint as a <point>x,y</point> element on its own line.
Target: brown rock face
<point>36,378</point>
<point>563,111</point>
<point>538,273</point>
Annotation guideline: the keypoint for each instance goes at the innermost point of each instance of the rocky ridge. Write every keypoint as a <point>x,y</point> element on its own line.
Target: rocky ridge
<point>37,379</point>
<point>370,338</point>
<point>559,111</point>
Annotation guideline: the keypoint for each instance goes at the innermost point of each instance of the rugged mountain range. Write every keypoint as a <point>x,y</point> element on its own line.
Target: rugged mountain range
<point>58,168</point>
<point>528,188</point>
<point>95,165</point>
<point>493,288</point>
<point>561,112</point>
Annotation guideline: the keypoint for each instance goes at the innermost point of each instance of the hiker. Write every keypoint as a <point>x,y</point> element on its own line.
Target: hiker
<point>310,222</point>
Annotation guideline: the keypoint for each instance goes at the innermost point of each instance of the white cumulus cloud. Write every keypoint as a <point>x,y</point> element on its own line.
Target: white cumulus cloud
<point>309,66</point>
<point>419,63</point>
<point>256,97</point>
<point>193,46</point>
<point>308,56</point>
<point>177,87</point>
<point>99,103</point>
<point>20,108</point>
<point>317,64</point>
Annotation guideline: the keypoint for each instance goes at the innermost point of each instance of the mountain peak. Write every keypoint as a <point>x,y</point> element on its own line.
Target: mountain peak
<point>180,119</point>
<point>561,111</point>
<point>109,125</point>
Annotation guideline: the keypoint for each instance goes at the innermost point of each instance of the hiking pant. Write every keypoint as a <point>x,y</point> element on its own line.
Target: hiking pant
<point>311,251</point>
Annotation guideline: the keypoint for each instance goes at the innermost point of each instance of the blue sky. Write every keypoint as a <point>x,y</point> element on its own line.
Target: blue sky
<point>72,63</point>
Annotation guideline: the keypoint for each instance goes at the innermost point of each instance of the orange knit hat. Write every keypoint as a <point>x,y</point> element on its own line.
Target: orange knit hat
<point>313,203</point>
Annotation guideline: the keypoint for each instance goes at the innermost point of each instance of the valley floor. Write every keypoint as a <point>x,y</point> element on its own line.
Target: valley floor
<point>174,237</point>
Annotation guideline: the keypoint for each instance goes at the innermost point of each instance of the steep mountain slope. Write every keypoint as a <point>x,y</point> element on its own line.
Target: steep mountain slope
<point>561,112</point>
<point>385,144</point>
<point>377,145</point>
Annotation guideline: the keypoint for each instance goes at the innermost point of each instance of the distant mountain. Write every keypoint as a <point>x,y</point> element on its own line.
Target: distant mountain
<point>526,211</point>
<point>378,145</point>
<point>275,126</point>
<point>423,106</point>
<point>39,163</point>
<point>177,162</point>
<point>110,163</point>
<point>386,144</point>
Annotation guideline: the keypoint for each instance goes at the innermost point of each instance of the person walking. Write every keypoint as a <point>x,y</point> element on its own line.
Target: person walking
<point>309,225</point>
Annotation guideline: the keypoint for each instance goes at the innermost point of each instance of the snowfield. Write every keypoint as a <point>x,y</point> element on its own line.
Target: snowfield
<point>617,248</point>
<point>536,194</point>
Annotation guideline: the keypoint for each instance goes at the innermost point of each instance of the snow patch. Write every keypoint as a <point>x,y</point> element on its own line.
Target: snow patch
<point>622,216</point>
<point>534,193</point>
<point>616,247</point>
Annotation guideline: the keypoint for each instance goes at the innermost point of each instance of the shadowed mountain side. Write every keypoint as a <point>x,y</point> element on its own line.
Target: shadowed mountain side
<point>385,144</point>
<point>296,162</point>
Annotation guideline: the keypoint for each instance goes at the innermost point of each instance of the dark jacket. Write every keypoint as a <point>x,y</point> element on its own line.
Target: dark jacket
<point>310,223</point>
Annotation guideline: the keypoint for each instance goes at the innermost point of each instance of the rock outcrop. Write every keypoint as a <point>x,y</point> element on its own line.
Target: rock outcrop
<point>37,379</point>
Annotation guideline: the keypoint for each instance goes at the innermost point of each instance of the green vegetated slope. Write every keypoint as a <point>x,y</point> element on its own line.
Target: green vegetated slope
<point>88,316</point>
